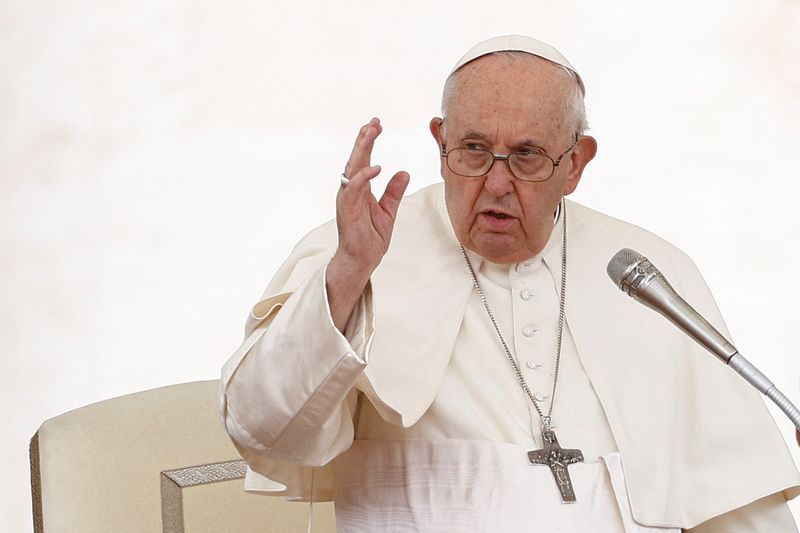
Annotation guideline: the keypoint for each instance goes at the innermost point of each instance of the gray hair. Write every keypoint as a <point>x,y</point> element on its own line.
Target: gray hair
<point>572,104</point>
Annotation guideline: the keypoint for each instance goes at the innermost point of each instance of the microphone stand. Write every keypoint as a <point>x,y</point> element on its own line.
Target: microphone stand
<point>758,380</point>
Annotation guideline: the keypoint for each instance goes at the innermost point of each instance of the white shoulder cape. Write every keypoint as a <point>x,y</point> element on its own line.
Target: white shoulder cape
<point>696,441</point>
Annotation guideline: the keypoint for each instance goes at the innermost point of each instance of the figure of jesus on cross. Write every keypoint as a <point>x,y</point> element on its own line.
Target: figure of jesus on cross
<point>557,458</point>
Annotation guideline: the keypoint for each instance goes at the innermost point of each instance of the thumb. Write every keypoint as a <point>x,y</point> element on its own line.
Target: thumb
<point>390,201</point>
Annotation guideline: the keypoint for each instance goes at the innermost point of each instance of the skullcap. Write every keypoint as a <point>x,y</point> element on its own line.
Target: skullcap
<point>517,43</point>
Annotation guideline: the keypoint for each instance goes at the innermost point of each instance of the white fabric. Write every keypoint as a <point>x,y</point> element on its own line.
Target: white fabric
<point>479,368</point>
<point>674,412</point>
<point>471,485</point>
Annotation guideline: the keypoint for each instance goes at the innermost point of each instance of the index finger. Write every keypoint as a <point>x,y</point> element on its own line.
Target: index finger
<point>362,149</point>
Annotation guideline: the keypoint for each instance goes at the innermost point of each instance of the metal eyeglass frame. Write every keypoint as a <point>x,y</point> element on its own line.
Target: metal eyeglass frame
<point>505,157</point>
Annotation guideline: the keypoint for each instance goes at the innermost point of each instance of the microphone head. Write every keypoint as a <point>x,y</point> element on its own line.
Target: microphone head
<point>621,264</point>
<point>637,277</point>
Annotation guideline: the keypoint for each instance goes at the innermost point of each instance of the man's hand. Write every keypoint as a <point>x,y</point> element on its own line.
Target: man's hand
<point>364,225</point>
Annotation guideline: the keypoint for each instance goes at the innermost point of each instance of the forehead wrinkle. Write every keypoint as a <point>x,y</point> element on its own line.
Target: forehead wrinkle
<point>502,74</point>
<point>519,75</point>
<point>475,134</point>
<point>522,103</point>
<point>524,142</point>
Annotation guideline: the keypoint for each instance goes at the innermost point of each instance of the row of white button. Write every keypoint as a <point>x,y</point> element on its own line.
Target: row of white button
<point>529,330</point>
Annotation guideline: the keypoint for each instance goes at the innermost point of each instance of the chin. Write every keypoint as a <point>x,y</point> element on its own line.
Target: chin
<point>501,250</point>
<point>505,259</point>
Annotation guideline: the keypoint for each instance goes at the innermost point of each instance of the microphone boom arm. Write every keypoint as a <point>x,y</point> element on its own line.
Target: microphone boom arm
<point>758,380</point>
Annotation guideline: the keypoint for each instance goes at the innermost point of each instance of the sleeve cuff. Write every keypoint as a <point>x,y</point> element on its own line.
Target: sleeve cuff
<point>360,327</point>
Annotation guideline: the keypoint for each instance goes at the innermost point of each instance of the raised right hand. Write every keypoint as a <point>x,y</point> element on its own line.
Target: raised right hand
<point>364,224</point>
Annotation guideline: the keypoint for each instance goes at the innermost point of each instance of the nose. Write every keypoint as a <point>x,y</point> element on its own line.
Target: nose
<point>499,180</point>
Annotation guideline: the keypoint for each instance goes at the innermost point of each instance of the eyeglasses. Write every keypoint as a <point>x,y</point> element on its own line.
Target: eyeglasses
<point>526,164</point>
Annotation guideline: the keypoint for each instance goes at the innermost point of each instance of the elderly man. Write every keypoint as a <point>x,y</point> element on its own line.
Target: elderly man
<point>456,360</point>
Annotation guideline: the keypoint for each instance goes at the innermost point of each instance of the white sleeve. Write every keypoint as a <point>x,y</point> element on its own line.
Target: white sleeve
<point>287,393</point>
<point>766,515</point>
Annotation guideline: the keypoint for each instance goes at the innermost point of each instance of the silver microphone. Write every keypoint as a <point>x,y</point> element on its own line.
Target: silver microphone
<point>636,276</point>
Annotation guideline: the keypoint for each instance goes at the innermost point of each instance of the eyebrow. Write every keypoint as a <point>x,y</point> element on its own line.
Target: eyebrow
<point>477,135</point>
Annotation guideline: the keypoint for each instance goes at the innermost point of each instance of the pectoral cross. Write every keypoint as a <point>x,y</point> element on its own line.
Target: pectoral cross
<point>557,458</point>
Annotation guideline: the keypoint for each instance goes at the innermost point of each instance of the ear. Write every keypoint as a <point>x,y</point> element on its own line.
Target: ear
<point>437,130</point>
<point>584,151</point>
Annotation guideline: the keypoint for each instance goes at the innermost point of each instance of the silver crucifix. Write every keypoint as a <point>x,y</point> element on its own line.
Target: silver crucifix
<point>557,458</point>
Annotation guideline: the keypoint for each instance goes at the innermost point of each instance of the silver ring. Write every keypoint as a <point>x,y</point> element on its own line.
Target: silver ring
<point>344,180</point>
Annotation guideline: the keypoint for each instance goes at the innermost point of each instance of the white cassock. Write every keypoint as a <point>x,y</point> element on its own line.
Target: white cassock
<point>414,421</point>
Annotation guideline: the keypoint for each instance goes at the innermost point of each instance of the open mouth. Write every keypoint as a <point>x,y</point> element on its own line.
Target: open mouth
<point>497,221</point>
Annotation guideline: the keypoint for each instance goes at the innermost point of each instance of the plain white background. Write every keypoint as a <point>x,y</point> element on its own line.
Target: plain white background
<point>159,159</point>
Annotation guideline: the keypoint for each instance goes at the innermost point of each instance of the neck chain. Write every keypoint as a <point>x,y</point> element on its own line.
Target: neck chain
<point>552,454</point>
<point>546,418</point>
